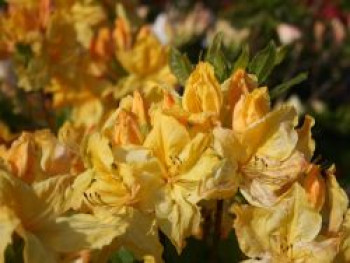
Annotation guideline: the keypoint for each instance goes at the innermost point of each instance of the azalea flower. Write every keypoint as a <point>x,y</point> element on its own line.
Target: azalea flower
<point>37,156</point>
<point>289,231</point>
<point>44,232</point>
<point>112,188</point>
<point>200,105</point>
<point>189,171</point>
<point>265,146</point>
<point>145,58</point>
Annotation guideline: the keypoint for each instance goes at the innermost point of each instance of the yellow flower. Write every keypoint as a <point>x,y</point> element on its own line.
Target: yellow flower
<point>267,155</point>
<point>46,235</point>
<point>114,186</point>
<point>37,156</point>
<point>145,58</point>
<point>189,171</point>
<point>289,231</point>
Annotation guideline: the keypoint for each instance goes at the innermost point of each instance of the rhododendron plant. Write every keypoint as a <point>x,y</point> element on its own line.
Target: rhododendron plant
<point>149,156</point>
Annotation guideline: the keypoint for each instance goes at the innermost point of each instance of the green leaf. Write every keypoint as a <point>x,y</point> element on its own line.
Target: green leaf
<point>14,251</point>
<point>62,116</point>
<point>284,87</point>
<point>281,54</point>
<point>122,256</point>
<point>215,56</point>
<point>243,59</point>
<point>263,62</point>
<point>180,65</point>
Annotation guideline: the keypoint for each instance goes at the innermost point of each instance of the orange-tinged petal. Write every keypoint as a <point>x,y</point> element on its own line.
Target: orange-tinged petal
<point>315,186</point>
<point>139,108</point>
<point>101,46</point>
<point>122,34</point>
<point>127,129</point>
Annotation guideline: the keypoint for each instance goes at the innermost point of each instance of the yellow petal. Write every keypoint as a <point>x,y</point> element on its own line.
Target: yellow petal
<point>142,238</point>
<point>101,156</point>
<point>21,158</point>
<point>265,231</point>
<point>233,88</point>
<point>122,34</point>
<point>55,192</point>
<point>265,180</point>
<point>315,186</point>
<point>258,133</point>
<point>24,202</point>
<point>202,91</point>
<point>139,108</point>
<point>81,231</point>
<point>240,83</point>
<point>305,142</point>
<point>323,251</point>
<point>250,109</point>
<point>281,144</point>
<point>227,145</point>
<point>127,130</point>
<point>337,202</point>
<point>167,138</point>
<point>177,218</point>
<point>88,114</point>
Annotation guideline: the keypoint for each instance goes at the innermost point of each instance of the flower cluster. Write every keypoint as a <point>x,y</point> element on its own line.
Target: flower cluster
<point>121,175</point>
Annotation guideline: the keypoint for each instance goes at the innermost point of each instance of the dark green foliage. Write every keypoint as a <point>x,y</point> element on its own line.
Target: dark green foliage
<point>180,65</point>
<point>264,62</point>
<point>216,57</point>
<point>284,87</point>
<point>243,59</point>
<point>14,251</point>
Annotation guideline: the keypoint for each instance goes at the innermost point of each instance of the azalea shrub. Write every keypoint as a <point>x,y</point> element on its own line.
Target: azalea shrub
<point>133,153</point>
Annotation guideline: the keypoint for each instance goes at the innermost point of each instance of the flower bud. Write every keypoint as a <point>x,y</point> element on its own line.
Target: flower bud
<point>202,92</point>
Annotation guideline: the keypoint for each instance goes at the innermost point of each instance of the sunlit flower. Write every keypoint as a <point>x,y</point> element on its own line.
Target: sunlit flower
<point>286,232</point>
<point>45,234</point>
